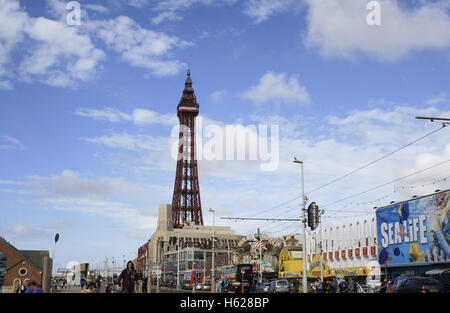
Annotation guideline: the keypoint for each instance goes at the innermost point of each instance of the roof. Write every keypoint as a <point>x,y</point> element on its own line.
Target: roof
<point>33,257</point>
<point>436,271</point>
<point>416,198</point>
<point>36,256</point>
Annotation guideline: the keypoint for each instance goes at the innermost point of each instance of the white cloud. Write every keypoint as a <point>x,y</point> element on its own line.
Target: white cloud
<point>277,88</point>
<point>58,9</point>
<point>218,95</point>
<point>137,3</point>
<point>12,22</point>
<point>261,10</point>
<point>58,223</point>
<point>96,8</point>
<point>108,114</point>
<point>71,183</point>
<point>169,16</point>
<point>138,46</point>
<point>441,99</point>
<point>338,29</point>
<point>61,55</point>
<point>56,54</point>
<point>25,232</point>
<point>140,117</point>
<point>10,143</point>
<point>6,85</point>
<point>59,44</point>
<point>132,142</point>
<point>120,213</point>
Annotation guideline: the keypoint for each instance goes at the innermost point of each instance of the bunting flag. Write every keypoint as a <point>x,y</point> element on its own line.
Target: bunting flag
<point>258,245</point>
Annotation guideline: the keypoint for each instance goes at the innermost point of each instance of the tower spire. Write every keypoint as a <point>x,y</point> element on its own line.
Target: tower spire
<point>186,204</point>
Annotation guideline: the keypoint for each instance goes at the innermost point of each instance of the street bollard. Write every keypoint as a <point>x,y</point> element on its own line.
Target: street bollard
<point>193,288</point>
<point>149,286</point>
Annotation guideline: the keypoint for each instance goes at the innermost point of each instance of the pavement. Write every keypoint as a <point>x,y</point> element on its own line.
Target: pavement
<point>77,289</point>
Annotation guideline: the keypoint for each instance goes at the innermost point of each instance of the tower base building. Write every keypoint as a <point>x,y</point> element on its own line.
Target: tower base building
<point>189,247</point>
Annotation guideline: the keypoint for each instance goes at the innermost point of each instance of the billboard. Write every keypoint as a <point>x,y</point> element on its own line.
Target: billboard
<point>415,232</point>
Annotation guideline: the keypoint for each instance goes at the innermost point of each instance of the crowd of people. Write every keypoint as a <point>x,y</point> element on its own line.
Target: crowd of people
<point>336,286</point>
<point>29,286</point>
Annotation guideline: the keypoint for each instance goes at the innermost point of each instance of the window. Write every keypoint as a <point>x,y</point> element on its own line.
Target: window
<point>2,267</point>
<point>198,255</point>
<point>23,271</point>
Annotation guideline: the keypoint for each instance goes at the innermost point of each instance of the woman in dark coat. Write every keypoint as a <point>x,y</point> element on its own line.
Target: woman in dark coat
<point>128,278</point>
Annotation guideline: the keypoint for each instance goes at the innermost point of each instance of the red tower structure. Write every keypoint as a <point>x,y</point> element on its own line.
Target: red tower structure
<point>186,205</point>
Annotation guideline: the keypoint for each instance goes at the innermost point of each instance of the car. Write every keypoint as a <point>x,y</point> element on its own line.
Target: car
<point>198,286</point>
<point>262,287</point>
<point>398,281</point>
<point>419,285</point>
<point>186,285</point>
<point>279,286</point>
<point>207,287</point>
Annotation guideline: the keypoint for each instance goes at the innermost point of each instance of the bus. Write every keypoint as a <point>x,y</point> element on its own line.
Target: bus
<point>192,278</point>
<point>238,276</point>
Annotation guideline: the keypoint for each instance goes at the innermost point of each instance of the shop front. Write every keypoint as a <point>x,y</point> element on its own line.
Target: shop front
<point>414,236</point>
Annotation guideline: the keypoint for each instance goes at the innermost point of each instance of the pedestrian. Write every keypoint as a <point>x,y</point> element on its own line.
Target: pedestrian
<point>351,286</point>
<point>144,284</point>
<point>36,287</point>
<point>127,278</point>
<point>383,287</point>
<point>83,282</point>
<point>28,286</point>
<point>390,287</point>
<point>223,286</point>
<point>341,287</point>
<point>327,286</point>
<point>319,286</point>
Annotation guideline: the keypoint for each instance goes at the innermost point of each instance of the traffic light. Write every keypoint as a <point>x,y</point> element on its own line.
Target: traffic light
<point>313,215</point>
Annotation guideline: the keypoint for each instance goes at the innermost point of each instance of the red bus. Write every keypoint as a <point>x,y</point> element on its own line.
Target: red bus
<point>191,279</point>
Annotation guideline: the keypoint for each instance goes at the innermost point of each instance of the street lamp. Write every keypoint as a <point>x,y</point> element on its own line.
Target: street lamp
<point>304,275</point>
<point>213,271</point>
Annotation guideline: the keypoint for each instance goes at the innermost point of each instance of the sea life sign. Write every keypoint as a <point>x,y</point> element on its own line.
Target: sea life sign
<point>415,231</point>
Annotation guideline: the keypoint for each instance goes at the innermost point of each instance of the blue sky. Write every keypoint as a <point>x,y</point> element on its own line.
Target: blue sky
<point>87,111</point>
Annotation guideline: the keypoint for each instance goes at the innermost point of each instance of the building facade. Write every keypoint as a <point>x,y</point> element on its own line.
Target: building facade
<point>345,250</point>
<point>349,249</point>
<point>414,235</point>
<point>17,266</point>
<point>194,241</point>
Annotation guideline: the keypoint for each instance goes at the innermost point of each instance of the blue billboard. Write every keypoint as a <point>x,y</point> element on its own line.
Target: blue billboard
<point>415,232</point>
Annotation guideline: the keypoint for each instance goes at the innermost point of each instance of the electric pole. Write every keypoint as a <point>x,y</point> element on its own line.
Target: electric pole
<point>304,275</point>
<point>213,271</point>
<point>260,258</point>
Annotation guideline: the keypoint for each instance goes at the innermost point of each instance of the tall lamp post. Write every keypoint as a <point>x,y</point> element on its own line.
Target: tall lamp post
<point>54,248</point>
<point>213,271</point>
<point>304,274</point>
<point>178,262</point>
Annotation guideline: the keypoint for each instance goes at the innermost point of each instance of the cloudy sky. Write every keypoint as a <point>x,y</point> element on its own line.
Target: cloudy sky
<point>88,112</point>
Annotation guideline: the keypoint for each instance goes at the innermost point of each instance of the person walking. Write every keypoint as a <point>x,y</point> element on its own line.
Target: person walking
<point>34,288</point>
<point>351,286</point>
<point>127,279</point>
<point>83,282</point>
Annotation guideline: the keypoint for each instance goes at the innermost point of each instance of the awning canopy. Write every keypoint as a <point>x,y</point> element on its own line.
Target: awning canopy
<point>436,271</point>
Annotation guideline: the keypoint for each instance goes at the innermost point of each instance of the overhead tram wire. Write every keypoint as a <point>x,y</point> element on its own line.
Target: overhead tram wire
<point>382,185</point>
<point>379,159</point>
<point>352,172</point>
<point>337,211</point>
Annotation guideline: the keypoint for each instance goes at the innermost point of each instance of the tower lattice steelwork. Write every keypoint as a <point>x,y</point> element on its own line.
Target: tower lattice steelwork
<point>186,205</point>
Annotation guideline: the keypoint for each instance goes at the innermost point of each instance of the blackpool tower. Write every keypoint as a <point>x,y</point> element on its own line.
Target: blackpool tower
<point>186,205</point>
